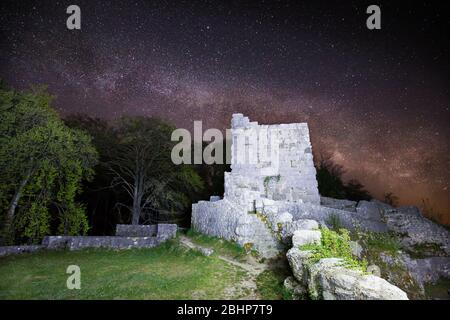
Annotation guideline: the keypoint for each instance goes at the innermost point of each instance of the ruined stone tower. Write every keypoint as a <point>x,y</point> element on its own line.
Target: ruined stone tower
<point>271,166</point>
<point>272,161</point>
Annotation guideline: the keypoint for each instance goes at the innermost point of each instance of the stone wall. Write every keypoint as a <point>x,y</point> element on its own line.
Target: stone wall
<point>111,242</point>
<point>272,183</point>
<point>8,250</point>
<point>230,221</point>
<point>130,230</point>
<point>127,236</point>
<point>126,239</point>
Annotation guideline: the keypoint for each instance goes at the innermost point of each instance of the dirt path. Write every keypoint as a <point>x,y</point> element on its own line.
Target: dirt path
<point>247,288</point>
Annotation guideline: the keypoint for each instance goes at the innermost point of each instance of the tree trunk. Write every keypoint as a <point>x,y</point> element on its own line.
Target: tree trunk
<point>136,212</point>
<point>12,208</point>
<point>136,206</point>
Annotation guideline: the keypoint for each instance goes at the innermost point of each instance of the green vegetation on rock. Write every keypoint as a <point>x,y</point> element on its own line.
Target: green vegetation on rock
<point>335,245</point>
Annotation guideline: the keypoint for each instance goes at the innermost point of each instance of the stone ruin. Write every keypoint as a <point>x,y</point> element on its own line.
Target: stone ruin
<point>271,188</point>
<point>271,204</point>
<point>127,236</point>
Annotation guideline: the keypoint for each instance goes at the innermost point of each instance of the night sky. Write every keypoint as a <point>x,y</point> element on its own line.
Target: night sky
<point>377,101</point>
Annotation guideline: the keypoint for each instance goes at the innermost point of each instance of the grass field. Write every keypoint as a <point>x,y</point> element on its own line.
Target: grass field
<point>166,272</point>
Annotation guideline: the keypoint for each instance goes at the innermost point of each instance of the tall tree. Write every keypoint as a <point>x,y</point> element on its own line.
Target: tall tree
<point>42,164</point>
<point>144,169</point>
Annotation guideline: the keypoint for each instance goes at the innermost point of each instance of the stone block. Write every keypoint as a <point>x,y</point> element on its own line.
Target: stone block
<point>303,237</point>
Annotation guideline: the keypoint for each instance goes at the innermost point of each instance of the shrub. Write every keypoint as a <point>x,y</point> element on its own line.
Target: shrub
<point>335,245</point>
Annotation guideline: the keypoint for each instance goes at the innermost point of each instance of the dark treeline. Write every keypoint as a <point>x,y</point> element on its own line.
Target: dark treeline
<point>139,148</point>
<point>331,183</point>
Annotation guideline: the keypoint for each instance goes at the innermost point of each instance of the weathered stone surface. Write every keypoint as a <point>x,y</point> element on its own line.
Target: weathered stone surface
<point>130,230</point>
<point>111,242</point>
<point>357,249</point>
<point>297,290</point>
<point>416,230</point>
<point>302,224</point>
<point>369,210</point>
<point>298,260</point>
<point>341,204</point>
<point>273,160</point>
<point>374,269</point>
<point>9,250</point>
<point>283,218</point>
<point>303,237</point>
<point>424,270</point>
<point>56,242</point>
<point>230,221</point>
<point>164,232</point>
<point>329,280</point>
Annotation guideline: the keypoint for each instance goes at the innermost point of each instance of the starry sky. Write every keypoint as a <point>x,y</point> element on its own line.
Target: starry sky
<point>377,101</point>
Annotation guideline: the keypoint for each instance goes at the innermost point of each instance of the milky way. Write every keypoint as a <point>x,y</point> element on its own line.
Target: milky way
<point>377,101</point>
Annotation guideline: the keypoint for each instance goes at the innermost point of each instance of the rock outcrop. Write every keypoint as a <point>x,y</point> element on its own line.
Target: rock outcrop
<point>330,279</point>
<point>272,192</point>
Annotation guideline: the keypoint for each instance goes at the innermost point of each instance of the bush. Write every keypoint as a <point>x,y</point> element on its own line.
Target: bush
<point>335,245</point>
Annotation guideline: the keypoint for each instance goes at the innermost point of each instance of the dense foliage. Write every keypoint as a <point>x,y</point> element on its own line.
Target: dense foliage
<point>42,165</point>
<point>136,180</point>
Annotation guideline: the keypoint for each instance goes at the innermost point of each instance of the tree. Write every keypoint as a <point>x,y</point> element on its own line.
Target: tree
<point>143,168</point>
<point>329,178</point>
<point>355,191</point>
<point>331,183</point>
<point>42,164</point>
<point>98,194</point>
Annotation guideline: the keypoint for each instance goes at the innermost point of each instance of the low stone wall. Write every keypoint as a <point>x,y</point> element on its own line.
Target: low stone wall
<point>166,231</point>
<point>8,250</point>
<point>128,236</point>
<point>130,230</point>
<point>111,242</point>
<point>163,233</point>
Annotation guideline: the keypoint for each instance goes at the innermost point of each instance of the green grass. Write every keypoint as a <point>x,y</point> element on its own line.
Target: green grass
<point>166,272</point>
<point>438,290</point>
<point>270,284</point>
<point>382,242</point>
<point>425,250</point>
